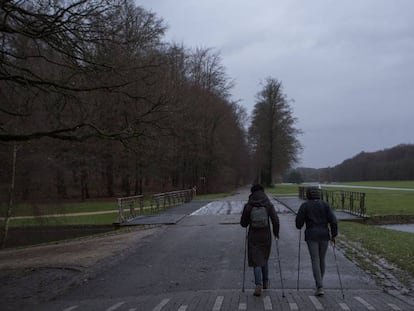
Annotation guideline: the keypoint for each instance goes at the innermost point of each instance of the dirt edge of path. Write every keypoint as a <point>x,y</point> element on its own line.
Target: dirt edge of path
<point>30,275</point>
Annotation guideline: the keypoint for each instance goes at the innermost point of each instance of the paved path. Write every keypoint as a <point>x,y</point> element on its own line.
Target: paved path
<point>197,265</point>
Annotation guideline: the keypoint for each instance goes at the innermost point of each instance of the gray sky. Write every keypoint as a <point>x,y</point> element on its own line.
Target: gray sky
<point>348,65</point>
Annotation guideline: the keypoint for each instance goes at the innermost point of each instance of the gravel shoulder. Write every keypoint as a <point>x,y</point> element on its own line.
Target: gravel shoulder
<point>38,273</point>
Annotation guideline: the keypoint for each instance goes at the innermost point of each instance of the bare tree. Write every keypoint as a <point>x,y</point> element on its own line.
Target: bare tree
<point>58,57</point>
<point>272,134</point>
<point>77,77</point>
<point>11,197</point>
<point>208,73</point>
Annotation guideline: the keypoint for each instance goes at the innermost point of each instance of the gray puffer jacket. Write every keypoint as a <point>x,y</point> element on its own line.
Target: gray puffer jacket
<point>321,223</point>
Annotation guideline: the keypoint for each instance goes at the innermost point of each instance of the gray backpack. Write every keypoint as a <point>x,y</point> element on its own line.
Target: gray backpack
<point>259,217</point>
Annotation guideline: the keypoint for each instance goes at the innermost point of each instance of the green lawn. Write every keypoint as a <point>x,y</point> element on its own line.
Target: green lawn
<point>377,201</point>
<point>385,202</point>
<point>63,208</point>
<point>388,184</point>
<point>394,246</point>
<point>283,190</point>
<point>102,219</point>
<point>75,207</point>
<point>389,202</point>
<point>38,212</point>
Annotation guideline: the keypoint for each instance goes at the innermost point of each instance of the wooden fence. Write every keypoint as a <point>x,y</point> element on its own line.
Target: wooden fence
<point>349,201</point>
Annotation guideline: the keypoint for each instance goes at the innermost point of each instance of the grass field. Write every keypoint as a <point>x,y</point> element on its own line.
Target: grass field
<point>394,246</point>
<point>385,202</point>
<point>62,208</point>
<point>388,184</point>
<point>283,190</point>
<point>59,215</point>
<point>104,206</point>
<point>377,201</point>
<point>101,219</point>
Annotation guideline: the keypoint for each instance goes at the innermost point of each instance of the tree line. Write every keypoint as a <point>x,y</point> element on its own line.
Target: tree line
<point>95,103</point>
<point>396,163</point>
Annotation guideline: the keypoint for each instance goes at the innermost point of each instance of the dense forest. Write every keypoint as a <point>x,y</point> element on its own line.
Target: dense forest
<point>95,103</point>
<point>396,163</point>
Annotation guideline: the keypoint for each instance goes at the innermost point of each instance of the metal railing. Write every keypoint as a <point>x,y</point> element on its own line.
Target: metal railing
<point>165,200</point>
<point>130,207</point>
<point>349,201</point>
<point>133,206</point>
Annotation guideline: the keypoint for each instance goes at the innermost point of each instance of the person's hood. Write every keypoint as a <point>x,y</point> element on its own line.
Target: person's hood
<point>258,198</point>
<point>313,193</point>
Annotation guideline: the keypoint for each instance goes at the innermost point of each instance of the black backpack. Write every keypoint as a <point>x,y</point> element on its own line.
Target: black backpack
<point>259,217</point>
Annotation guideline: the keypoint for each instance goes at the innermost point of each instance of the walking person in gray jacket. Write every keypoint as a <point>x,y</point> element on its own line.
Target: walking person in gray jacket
<point>256,214</point>
<point>321,226</point>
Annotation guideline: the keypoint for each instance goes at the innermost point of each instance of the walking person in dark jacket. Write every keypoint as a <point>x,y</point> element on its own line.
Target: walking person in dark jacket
<point>321,226</point>
<point>256,214</point>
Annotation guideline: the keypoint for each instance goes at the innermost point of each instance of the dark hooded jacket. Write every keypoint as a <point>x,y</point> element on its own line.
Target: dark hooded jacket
<point>321,223</point>
<point>259,239</point>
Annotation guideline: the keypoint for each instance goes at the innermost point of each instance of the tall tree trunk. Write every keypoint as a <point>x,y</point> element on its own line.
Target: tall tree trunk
<point>60,184</point>
<point>138,176</point>
<point>11,195</point>
<point>84,184</point>
<point>125,184</point>
<point>110,176</point>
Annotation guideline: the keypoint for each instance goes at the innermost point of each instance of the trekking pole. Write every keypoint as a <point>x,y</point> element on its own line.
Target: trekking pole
<point>280,267</point>
<point>297,283</point>
<point>337,270</point>
<point>244,263</point>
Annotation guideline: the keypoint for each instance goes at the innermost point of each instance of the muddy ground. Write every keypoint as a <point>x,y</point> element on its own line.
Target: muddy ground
<point>38,273</point>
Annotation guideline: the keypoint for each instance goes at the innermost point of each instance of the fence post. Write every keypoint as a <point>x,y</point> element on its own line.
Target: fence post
<point>351,202</point>
<point>120,211</point>
<point>362,204</point>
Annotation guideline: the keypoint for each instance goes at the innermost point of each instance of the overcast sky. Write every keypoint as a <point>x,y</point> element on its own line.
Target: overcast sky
<point>348,65</point>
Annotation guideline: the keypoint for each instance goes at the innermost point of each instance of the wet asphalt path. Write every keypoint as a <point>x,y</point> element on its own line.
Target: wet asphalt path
<point>197,264</point>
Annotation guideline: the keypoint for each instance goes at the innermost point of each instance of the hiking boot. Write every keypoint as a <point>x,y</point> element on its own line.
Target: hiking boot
<point>266,285</point>
<point>319,292</point>
<point>258,290</point>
